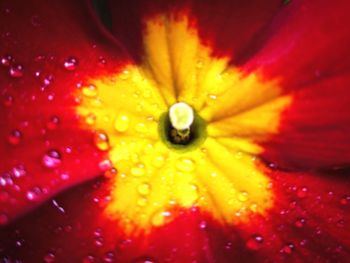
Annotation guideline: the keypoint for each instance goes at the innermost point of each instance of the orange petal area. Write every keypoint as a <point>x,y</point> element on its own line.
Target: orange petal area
<point>221,176</point>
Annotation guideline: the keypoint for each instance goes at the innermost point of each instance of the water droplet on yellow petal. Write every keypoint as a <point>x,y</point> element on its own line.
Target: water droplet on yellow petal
<point>142,201</point>
<point>144,189</point>
<point>242,196</point>
<point>101,141</point>
<point>158,161</point>
<point>90,119</point>
<point>121,123</point>
<point>185,165</point>
<point>90,91</point>
<point>141,127</point>
<point>160,218</point>
<point>138,170</point>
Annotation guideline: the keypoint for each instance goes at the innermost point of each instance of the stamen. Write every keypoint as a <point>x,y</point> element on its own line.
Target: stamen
<point>181,116</point>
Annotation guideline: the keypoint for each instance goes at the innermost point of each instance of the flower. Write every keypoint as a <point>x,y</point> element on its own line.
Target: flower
<point>210,131</point>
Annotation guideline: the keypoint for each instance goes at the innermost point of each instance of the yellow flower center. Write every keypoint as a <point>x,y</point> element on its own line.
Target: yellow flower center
<point>179,79</point>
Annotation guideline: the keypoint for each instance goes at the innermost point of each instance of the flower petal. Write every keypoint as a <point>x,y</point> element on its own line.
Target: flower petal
<point>245,20</point>
<point>310,216</point>
<point>47,52</point>
<point>307,50</point>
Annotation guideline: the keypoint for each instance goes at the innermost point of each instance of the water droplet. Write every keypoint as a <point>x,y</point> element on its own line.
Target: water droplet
<point>160,218</point>
<point>90,119</point>
<point>138,170</point>
<point>102,61</point>
<point>8,100</point>
<point>33,194</point>
<point>88,259</point>
<point>6,60</point>
<point>16,71</point>
<point>90,91</point>
<point>287,249</point>
<point>101,141</point>
<point>212,97</point>
<point>15,137</point>
<point>299,222</point>
<point>71,63</point>
<point>255,242</point>
<point>109,257</point>
<point>3,219</point>
<point>53,123</point>
<point>144,259</point>
<point>158,161</point>
<point>47,81</point>
<point>125,74</point>
<point>345,200</point>
<point>49,258</point>
<point>203,224</point>
<point>144,189</point>
<point>141,127</point>
<point>185,165</point>
<point>99,241</point>
<point>242,196</point>
<point>111,173</point>
<point>52,159</point>
<point>142,201</point>
<point>105,165</point>
<point>121,123</point>
<point>302,192</point>
<point>18,171</point>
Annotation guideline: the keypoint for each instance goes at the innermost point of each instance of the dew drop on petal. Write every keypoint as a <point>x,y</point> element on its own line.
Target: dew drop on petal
<point>185,165</point>
<point>109,257</point>
<point>101,141</point>
<point>255,242</point>
<point>111,173</point>
<point>105,165</point>
<point>300,222</point>
<point>161,217</point>
<point>53,123</point>
<point>88,259</point>
<point>6,60</point>
<point>90,91</point>
<point>302,192</point>
<point>52,159</point>
<point>138,170</point>
<point>121,123</point>
<point>242,196</point>
<point>8,100</point>
<point>158,161</point>
<point>144,189</point>
<point>90,119</point>
<point>70,63</point>
<point>141,127</point>
<point>345,200</point>
<point>203,224</point>
<point>16,71</point>
<point>15,137</point>
<point>49,258</point>
<point>102,61</point>
<point>287,249</point>
<point>33,194</point>
<point>143,260</point>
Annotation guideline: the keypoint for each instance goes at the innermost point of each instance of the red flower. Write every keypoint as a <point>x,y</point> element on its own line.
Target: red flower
<point>281,97</point>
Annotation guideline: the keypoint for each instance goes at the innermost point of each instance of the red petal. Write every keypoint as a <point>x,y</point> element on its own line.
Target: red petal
<point>307,223</point>
<point>307,49</point>
<point>233,28</point>
<point>47,50</point>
